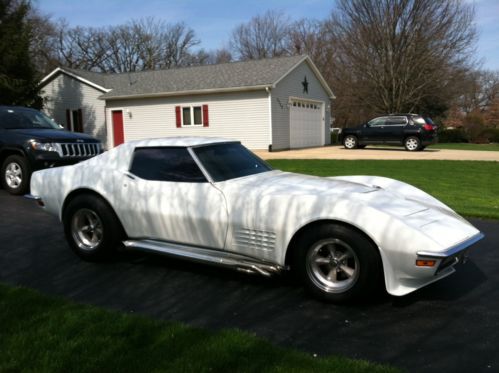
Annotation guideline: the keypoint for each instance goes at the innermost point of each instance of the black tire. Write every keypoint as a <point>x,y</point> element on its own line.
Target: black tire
<point>16,174</point>
<point>350,142</point>
<point>337,264</point>
<point>412,144</point>
<point>91,227</point>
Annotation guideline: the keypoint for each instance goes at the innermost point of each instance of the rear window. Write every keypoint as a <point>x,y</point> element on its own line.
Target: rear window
<point>418,120</point>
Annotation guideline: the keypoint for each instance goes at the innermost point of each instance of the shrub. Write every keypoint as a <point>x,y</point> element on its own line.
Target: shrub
<point>334,137</point>
<point>452,135</point>
<point>490,134</point>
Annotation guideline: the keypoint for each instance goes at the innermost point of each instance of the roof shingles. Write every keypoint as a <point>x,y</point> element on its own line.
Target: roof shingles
<point>253,73</point>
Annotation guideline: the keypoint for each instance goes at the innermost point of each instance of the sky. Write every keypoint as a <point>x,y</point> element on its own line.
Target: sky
<point>213,20</point>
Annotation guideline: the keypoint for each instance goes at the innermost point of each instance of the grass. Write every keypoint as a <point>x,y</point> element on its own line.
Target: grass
<point>469,187</point>
<point>466,146</point>
<point>45,334</point>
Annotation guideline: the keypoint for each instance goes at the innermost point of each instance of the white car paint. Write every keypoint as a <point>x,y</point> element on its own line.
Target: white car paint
<point>258,215</point>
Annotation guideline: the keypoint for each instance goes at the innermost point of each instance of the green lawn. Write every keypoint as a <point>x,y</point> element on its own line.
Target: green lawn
<point>469,187</point>
<point>45,334</point>
<point>465,146</point>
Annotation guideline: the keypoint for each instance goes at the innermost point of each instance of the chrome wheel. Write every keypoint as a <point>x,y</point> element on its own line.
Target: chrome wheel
<point>332,265</point>
<point>412,144</point>
<point>87,229</point>
<point>13,175</point>
<point>350,142</point>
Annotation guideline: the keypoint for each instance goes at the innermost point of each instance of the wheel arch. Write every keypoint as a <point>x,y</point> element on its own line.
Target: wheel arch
<point>87,191</point>
<point>6,152</point>
<point>316,223</point>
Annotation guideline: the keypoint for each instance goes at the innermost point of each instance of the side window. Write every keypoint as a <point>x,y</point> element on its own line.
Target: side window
<point>166,164</point>
<point>396,121</point>
<point>376,122</point>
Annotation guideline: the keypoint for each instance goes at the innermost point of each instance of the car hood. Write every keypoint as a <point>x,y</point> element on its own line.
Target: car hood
<point>52,135</point>
<point>290,184</point>
<point>391,197</point>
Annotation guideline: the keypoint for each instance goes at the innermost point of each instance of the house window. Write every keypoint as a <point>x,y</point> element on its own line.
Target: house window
<point>187,116</point>
<point>192,115</point>
<point>74,120</point>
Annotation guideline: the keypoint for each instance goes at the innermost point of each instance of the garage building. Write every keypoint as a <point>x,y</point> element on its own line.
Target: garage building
<point>277,103</point>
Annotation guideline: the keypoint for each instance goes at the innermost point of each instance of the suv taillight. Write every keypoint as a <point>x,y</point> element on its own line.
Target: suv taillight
<point>428,127</point>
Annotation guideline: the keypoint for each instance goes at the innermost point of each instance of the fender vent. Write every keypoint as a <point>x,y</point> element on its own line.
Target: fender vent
<point>254,238</point>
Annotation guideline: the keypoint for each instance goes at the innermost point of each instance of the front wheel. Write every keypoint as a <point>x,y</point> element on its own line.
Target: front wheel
<point>91,228</point>
<point>337,263</point>
<point>412,144</point>
<point>350,142</point>
<point>15,175</point>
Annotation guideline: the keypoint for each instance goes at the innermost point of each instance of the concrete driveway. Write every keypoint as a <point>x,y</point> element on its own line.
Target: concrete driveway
<point>450,326</point>
<point>339,152</point>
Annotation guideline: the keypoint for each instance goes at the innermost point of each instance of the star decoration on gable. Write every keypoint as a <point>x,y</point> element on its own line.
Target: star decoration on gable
<point>305,85</point>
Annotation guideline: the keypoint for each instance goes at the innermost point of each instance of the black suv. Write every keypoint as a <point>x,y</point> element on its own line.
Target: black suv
<point>29,141</point>
<point>410,130</point>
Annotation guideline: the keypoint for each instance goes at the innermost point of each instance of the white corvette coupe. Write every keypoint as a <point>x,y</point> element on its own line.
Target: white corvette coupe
<point>212,200</point>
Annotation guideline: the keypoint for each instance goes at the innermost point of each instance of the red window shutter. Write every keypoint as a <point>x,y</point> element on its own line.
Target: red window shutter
<point>178,117</point>
<point>206,121</point>
<point>68,119</point>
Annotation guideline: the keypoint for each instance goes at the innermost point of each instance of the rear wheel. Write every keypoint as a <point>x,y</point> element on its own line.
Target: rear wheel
<point>412,144</point>
<point>350,142</point>
<point>337,263</point>
<point>15,175</point>
<point>91,228</point>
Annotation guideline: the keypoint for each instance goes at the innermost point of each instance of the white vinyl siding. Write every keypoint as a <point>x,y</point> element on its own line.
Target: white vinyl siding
<point>241,116</point>
<point>64,92</point>
<point>291,86</point>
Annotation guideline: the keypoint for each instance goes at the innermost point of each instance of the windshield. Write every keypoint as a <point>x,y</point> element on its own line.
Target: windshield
<point>229,161</point>
<point>14,118</point>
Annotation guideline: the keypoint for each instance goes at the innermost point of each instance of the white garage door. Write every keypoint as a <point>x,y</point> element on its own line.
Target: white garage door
<point>306,124</point>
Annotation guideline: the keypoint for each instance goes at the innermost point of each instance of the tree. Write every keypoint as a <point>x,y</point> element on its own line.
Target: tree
<point>144,44</point>
<point>400,55</point>
<point>263,36</point>
<point>18,78</point>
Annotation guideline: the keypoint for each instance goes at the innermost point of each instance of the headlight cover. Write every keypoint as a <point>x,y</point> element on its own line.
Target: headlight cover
<point>43,146</point>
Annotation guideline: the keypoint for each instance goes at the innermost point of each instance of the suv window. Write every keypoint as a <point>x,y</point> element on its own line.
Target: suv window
<point>377,121</point>
<point>12,118</point>
<point>418,120</point>
<point>396,121</point>
<point>166,164</point>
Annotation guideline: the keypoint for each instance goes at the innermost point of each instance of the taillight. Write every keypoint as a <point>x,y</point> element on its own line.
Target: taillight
<point>428,127</point>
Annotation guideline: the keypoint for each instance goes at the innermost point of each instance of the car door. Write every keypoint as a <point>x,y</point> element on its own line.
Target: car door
<point>394,129</point>
<point>374,131</point>
<point>165,196</point>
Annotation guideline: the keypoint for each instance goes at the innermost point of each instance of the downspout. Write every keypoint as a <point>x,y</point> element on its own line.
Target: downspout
<point>268,90</point>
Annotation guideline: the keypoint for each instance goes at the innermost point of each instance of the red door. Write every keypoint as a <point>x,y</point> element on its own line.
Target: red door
<point>119,137</point>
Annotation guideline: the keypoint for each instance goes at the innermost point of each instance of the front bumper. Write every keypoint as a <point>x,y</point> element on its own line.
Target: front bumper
<point>414,277</point>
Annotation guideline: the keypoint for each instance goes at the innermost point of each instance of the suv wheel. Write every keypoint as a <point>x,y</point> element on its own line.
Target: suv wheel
<point>412,144</point>
<point>15,175</point>
<point>350,142</point>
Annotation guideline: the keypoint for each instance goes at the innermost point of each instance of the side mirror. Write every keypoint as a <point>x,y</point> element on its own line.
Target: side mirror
<point>366,125</point>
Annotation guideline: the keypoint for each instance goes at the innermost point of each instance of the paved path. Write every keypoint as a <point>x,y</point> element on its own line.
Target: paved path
<point>450,326</point>
<point>338,152</point>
